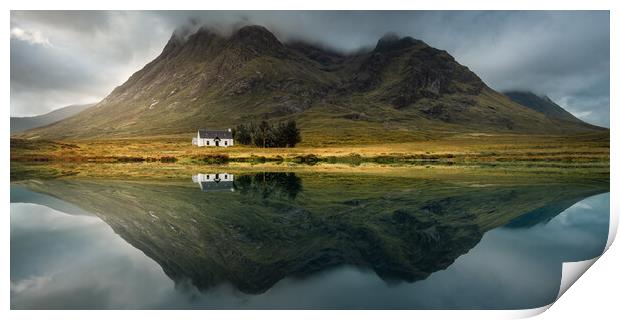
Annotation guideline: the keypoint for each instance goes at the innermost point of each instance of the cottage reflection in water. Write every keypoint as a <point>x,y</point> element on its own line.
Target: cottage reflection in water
<point>214,181</point>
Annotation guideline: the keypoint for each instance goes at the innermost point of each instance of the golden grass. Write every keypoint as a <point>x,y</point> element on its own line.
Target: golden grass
<point>592,149</point>
<point>455,157</point>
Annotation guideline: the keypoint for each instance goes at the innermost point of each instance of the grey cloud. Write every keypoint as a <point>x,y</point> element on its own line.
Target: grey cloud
<point>41,76</point>
<point>78,21</point>
<point>562,54</point>
<point>85,60</point>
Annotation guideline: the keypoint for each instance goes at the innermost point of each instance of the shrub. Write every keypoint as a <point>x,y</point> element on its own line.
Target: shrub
<point>353,159</point>
<point>129,159</point>
<point>168,159</point>
<point>216,158</point>
<point>257,159</point>
<point>307,159</point>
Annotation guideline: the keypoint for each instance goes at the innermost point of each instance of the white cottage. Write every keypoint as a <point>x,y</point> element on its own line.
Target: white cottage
<point>213,138</point>
<point>214,181</point>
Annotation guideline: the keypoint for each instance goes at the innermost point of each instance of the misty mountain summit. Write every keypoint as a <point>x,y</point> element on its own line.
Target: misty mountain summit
<point>402,89</point>
<point>391,41</point>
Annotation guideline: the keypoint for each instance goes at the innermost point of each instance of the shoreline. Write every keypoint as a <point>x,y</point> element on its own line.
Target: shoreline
<point>579,156</point>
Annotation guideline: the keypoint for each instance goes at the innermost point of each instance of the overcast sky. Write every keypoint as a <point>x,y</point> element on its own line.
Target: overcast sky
<point>61,58</point>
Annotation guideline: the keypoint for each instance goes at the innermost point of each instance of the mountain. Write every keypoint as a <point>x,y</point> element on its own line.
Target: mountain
<point>19,124</point>
<point>402,89</point>
<point>544,105</point>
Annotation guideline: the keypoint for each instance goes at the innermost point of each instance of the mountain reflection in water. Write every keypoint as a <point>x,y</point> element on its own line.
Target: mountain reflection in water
<point>279,229</point>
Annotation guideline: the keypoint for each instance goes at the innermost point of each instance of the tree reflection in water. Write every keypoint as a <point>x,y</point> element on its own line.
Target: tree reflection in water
<point>269,184</point>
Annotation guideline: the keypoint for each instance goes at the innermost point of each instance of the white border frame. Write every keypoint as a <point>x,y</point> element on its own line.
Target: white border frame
<point>600,295</point>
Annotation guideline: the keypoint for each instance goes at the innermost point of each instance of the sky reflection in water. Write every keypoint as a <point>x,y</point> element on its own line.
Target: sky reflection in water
<point>77,261</point>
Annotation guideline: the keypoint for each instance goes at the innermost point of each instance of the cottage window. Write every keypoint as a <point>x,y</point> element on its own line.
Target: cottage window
<point>207,142</point>
<point>225,143</point>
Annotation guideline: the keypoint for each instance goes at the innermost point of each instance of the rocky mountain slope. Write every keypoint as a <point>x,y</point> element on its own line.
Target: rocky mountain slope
<point>402,89</point>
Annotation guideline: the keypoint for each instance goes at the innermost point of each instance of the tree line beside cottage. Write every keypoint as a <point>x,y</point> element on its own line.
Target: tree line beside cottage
<point>267,135</point>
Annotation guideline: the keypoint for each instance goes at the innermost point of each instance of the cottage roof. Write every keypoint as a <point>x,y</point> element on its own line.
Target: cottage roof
<point>212,134</point>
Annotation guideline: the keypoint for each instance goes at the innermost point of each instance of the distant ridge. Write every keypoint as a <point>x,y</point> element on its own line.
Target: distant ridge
<point>546,106</point>
<point>20,124</point>
<point>542,104</point>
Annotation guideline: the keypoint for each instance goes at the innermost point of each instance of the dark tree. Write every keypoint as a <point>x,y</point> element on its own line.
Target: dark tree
<point>242,134</point>
<point>280,135</point>
<point>292,133</point>
<point>263,136</point>
<point>266,135</point>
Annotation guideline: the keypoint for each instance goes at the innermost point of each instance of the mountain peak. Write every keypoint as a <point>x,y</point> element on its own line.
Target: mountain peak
<point>391,41</point>
<point>180,37</point>
<point>256,34</point>
<point>253,30</point>
<point>202,32</point>
<point>258,40</point>
<point>175,42</point>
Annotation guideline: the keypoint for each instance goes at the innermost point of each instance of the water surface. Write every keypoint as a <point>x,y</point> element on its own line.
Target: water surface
<point>309,241</point>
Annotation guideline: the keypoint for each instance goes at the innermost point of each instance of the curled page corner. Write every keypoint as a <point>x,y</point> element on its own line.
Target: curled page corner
<point>571,271</point>
<point>613,229</point>
<point>527,313</point>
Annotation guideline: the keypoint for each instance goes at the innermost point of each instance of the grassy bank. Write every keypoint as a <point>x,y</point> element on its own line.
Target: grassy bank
<point>153,171</point>
<point>471,149</point>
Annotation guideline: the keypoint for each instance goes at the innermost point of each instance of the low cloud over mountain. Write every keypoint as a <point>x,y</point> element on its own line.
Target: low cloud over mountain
<point>60,58</point>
